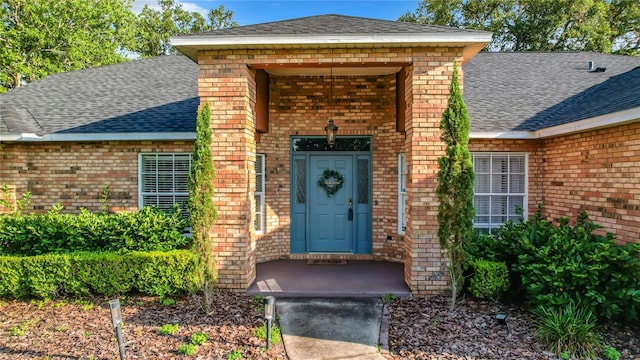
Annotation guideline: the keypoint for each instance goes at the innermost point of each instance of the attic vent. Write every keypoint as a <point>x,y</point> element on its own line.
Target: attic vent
<point>593,68</point>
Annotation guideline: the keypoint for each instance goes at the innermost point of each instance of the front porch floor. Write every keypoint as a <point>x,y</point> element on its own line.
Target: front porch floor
<point>357,278</point>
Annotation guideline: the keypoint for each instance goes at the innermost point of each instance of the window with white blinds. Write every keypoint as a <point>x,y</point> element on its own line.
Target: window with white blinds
<point>164,179</point>
<point>259,194</point>
<point>500,188</point>
<point>402,193</point>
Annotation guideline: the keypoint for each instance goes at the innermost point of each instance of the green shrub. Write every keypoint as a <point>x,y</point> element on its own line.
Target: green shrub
<point>556,265</point>
<point>148,229</point>
<point>261,333</point>
<point>81,274</point>
<point>187,349</point>
<point>199,338</point>
<point>569,330</point>
<point>107,274</point>
<point>44,276</point>
<point>168,329</point>
<point>610,353</point>
<point>490,279</point>
<point>11,278</point>
<point>166,273</point>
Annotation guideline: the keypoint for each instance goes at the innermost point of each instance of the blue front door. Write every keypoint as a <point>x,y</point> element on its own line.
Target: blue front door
<point>331,214</point>
<point>324,218</point>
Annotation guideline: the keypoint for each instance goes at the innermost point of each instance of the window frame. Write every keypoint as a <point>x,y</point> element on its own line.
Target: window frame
<point>142,193</point>
<point>402,193</point>
<point>490,226</point>
<point>259,214</point>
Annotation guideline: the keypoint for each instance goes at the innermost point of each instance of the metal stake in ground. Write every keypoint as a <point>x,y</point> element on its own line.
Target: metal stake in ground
<point>269,307</point>
<point>116,320</point>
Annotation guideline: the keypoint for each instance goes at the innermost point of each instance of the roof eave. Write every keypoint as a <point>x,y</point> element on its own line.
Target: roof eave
<point>67,137</point>
<point>599,122</point>
<point>189,45</point>
<point>594,123</point>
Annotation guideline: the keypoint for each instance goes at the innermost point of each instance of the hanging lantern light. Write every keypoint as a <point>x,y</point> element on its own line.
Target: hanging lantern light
<point>331,129</point>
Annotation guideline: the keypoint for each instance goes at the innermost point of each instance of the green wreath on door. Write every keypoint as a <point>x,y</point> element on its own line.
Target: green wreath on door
<point>331,187</point>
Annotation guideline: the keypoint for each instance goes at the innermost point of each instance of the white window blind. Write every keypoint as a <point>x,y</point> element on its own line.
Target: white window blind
<point>402,193</point>
<point>500,188</point>
<point>164,179</point>
<point>259,194</point>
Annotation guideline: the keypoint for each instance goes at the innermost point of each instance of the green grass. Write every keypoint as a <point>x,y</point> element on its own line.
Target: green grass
<point>569,331</point>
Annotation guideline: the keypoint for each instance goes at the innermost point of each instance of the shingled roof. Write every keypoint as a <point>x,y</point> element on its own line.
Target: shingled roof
<point>334,24</point>
<point>504,92</point>
<point>532,91</point>
<point>331,31</point>
<point>157,95</point>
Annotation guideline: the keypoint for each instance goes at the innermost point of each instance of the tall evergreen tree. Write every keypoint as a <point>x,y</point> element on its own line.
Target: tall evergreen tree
<point>202,213</point>
<point>455,185</point>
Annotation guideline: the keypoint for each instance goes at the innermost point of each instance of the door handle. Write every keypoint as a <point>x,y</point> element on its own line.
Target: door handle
<point>350,201</point>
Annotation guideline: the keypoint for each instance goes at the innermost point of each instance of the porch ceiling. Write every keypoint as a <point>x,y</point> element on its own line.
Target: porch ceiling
<point>311,70</point>
<point>342,71</point>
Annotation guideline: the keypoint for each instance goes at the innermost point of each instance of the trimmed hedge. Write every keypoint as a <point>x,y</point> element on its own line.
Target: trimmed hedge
<point>82,274</point>
<point>148,229</point>
<point>490,279</point>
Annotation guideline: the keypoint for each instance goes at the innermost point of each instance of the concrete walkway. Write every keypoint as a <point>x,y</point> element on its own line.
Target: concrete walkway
<point>340,328</point>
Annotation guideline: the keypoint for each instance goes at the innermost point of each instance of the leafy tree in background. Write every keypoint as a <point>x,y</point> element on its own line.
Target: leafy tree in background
<point>202,213</point>
<point>607,26</point>
<point>42,37</point>
<point>154,27</point>
<point>455,186</point>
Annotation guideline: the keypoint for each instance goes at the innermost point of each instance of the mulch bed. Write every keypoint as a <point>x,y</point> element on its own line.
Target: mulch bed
<point>425,328</point>
<point>419,328</point>
<point>67,330</point>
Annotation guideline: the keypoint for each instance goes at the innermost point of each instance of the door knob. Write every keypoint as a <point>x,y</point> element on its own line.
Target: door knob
<point>350,201</point>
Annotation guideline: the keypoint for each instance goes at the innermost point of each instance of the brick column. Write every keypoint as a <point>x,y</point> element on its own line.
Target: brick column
<point>229,87</point>
<point>428,88</point>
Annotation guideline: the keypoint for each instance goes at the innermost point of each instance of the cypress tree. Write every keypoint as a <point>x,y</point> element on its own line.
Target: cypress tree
<point>455,186</point>
<point>202,213</point>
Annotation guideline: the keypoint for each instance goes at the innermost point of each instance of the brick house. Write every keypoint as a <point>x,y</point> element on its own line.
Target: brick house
<point>546,128</point>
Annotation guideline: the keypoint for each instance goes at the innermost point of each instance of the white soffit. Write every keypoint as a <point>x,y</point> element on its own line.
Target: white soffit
<point>337,40</point>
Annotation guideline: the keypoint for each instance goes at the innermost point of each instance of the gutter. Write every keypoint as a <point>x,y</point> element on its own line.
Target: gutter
<point>168,136</point>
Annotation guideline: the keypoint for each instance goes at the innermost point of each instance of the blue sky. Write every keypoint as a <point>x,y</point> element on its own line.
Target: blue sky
<point>247,12</point>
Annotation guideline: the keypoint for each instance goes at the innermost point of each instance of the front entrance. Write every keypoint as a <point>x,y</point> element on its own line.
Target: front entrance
<point>331,196</point>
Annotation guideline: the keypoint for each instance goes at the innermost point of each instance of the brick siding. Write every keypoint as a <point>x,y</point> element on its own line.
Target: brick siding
<point>74,174</point>
<point>597,171</point>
